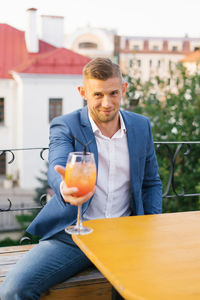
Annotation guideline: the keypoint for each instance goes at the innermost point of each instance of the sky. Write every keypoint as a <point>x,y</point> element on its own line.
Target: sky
<point>171,18</point>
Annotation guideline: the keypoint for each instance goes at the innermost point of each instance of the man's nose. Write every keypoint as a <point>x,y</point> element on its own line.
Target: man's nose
<point>106,102</point>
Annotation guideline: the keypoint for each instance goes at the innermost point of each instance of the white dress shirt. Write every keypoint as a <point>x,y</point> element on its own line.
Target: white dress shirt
<point>112,195</point>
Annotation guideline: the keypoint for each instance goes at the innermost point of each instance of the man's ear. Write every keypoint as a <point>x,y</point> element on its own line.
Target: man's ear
<point>124,87</point>
<point>81,91</point>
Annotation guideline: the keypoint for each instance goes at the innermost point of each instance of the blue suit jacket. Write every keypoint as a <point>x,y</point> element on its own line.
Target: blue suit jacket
<point>146,187</point>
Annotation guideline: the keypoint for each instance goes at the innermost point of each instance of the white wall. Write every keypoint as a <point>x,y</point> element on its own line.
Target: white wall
<point>102,37</point>
<point>155,43</point>
<point>145,71</point>
<point>138,43</point>
<point>53,30</point>
<point>7,129</point>
<point>34,92</point>
<point>194,44</point>
<point>175,43</point>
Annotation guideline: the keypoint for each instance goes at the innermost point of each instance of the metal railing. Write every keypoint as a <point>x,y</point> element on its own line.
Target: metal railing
<point>174,150</point>
<point>42,199</point>
<point>172,156</point>
<point>172,160</point>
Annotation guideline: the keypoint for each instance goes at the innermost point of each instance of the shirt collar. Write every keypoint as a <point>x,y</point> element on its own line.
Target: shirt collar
<point>96,129</point>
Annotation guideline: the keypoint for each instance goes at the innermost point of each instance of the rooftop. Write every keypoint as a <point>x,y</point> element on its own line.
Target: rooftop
<point>14,56</point>
<point>192,57</point>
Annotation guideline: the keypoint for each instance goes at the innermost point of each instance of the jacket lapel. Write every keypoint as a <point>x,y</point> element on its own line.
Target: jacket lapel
<point>132,140</point>
<point>88,134</point>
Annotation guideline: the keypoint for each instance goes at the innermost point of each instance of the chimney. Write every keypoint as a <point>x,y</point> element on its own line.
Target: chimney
<point>165,45</point>
<point>53,30</point>
<point>146,45</point>
<point>31,37</point>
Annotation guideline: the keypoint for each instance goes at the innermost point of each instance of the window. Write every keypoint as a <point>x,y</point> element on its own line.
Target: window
<point>136,47</point>
<point>139,63</point>
<point>150,63</point>
<point>1,110</point>
<point>2,163</point>
<point>87,45</point>
<point>174,48</point>
<point>55,108</point>
<point>155,48</point>
<point>158,64</point>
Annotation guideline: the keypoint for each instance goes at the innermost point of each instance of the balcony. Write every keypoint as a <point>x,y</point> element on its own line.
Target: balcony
<point>177,162</point>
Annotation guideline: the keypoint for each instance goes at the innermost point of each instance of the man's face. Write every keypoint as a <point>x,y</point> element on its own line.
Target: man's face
<point>103,98</point>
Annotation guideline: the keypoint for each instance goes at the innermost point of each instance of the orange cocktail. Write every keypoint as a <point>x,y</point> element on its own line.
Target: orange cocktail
<point>80,172</point>
<point>81,175</point>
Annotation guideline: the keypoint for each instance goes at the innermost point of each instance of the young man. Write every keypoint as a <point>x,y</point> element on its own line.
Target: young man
<point>127,182</point>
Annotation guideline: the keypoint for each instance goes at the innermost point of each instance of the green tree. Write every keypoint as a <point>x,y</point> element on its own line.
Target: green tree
<point>173,106</point>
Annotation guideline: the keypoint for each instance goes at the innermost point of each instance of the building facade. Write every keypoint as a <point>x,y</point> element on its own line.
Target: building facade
<point>154,55</point>
<point>38,81</point>
<point>91,42</point>
<point>148,55</point>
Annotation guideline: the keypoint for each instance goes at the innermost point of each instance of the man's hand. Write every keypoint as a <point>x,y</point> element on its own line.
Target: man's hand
<point>67,191</point>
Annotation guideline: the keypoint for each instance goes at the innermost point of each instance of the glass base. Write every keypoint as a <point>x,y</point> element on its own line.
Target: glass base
<point>78,230</point>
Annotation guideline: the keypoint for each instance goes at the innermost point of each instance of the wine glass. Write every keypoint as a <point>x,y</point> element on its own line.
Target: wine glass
<point>80,172</point>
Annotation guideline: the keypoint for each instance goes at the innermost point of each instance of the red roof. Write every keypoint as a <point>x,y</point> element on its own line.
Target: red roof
<point>12,49</point>
<point>49,60</point>
<point>192,57</point>
<point>44,47</point>
<point>57,61</point>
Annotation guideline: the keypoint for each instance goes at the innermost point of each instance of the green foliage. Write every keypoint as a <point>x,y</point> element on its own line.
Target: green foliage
<point>173,106</point>
<point>9,242</point>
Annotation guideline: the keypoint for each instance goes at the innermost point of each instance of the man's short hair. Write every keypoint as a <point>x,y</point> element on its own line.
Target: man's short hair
<point>102,69</point>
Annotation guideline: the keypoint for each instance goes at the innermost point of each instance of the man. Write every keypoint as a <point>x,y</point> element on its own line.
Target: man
<point>127,183</point>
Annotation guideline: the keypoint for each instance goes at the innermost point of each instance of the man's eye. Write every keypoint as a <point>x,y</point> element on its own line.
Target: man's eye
<point>98,95</point>
<point>114,93</point>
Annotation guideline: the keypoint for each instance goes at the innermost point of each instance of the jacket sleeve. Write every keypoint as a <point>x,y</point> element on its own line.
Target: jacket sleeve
<point>151,186</point>
<point>60,145</point>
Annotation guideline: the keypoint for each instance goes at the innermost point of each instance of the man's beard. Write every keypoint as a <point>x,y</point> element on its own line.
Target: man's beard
<point>104,118</point>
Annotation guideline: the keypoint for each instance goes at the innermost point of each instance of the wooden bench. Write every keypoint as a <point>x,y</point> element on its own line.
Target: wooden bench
<point>87,285</point>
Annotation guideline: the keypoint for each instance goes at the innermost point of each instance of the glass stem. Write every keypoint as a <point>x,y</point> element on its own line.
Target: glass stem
<point>79,217</point>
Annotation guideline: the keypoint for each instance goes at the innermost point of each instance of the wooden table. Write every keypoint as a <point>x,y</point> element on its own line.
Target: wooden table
<point>147,257</point>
